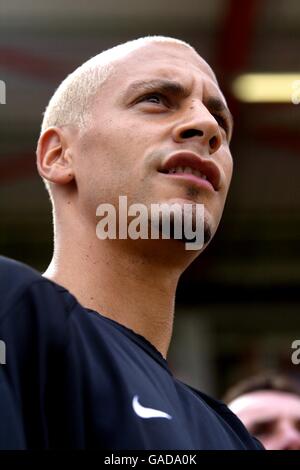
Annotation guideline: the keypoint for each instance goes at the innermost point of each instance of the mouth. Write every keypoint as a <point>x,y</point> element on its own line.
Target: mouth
<point>194,168</point>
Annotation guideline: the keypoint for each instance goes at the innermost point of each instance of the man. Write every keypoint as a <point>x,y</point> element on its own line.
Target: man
<point>269,407</point>
<point>87,342</point>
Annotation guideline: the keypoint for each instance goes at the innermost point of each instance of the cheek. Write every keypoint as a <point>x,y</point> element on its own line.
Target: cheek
<point>227,167</point>
<point>230,171</point>
<point>227,161</point>
<point>105,172</point>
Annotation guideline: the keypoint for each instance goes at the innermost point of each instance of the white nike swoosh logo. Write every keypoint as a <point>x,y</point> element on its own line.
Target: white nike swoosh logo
<point>144,412</point>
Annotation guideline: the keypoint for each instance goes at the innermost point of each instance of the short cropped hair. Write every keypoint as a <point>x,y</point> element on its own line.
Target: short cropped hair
<point>71,101</point>
<point>268,381</point>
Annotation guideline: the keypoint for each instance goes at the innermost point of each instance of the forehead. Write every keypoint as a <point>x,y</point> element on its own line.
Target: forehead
<point>164,60</point>
<point>266,403</point>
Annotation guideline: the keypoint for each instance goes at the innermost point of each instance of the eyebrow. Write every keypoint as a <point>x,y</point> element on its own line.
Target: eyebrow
<point>167,86</point>
<point>214,104</point>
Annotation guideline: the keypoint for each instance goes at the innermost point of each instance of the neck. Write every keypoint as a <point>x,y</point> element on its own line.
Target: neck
<point>134,287</point>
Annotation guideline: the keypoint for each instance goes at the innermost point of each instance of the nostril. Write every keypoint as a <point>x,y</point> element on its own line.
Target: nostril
<point>191,133</point>
<point>213,142</point>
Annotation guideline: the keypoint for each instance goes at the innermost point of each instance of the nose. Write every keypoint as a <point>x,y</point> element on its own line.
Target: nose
<point>198,124</point>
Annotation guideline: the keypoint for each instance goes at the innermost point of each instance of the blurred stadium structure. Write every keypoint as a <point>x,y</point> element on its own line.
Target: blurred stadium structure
<point>239,303</point>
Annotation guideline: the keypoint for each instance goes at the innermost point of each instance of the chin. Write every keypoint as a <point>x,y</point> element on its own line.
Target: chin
<point>187,231</point>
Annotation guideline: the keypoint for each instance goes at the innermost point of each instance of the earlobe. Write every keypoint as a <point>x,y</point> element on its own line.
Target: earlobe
<point>54,159</point>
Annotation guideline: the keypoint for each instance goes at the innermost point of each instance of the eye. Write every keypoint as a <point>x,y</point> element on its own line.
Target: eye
<point>222,121</point>
<point>297,424</point>
<point>264,428</point>
<point>154,98</point>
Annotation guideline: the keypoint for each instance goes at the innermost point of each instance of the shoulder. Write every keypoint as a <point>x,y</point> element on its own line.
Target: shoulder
<point>15,278</point>
<point>27,298</point>
<point>12,271</point>
<point>229,420</point>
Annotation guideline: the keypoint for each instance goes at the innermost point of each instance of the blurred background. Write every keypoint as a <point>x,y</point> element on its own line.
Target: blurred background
<point>238,305</point>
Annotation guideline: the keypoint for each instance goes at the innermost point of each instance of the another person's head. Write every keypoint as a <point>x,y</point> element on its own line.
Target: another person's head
<point>112,125</point>
<point>269,407</point>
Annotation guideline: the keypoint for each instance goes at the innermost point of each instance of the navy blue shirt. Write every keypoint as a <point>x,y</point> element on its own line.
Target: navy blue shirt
<point>74,379</point>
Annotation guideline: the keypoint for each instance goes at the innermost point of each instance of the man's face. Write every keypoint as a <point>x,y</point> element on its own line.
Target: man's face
<point>161,101</point>
<point>273,417</point>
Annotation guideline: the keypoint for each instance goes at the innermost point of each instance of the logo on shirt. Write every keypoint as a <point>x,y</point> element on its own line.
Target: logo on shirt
<point>146,413</point>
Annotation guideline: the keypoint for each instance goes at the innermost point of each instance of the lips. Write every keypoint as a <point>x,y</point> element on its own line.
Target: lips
<point>187,163</point>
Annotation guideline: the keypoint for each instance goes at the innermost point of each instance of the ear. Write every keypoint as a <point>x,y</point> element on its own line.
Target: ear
<point>54,159</point>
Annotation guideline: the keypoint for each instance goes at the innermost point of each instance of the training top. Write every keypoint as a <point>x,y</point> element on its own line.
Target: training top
<point>71,378</point>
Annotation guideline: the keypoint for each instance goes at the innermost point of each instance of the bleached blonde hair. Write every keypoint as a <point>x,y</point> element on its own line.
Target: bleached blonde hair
<point>71,101</point>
